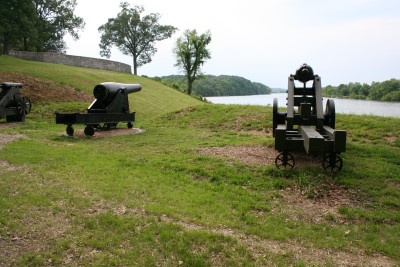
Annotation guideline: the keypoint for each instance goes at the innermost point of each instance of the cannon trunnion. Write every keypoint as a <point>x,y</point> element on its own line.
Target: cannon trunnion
<point>13,106</point>
<point>110,107</point>
<point>305,126</point>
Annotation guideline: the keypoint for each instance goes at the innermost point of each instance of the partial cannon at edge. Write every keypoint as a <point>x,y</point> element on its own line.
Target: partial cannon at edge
<point>110,107</point>
<point>13,106</point>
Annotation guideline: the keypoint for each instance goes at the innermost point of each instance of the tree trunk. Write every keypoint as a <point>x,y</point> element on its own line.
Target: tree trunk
<point>5,43</point>
<point>134,65</point>
<point>25,44</point>
<point>190,84</point>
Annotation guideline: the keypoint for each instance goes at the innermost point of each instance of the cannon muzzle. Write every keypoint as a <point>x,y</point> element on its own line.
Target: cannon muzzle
<point>304,74</point>
<point>8,85</point>
<point>107,90</point>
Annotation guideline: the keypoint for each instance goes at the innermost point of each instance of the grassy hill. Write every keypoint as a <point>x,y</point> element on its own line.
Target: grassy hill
<point>197,188</point>
<point>154,99</point>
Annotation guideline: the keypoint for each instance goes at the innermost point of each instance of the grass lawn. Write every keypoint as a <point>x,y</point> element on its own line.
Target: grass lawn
<point>169,196</point>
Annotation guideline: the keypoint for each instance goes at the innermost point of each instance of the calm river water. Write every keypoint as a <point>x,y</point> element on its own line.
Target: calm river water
<point>346,106</point>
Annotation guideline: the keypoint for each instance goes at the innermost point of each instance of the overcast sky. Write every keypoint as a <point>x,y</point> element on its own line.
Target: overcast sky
<point>266,40</point>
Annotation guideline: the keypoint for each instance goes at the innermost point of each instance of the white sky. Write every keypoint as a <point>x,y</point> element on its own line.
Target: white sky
<point>266,40</point>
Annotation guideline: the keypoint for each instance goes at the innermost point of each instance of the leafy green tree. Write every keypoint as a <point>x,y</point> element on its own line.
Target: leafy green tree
<point>386,91</point>
<point>133,35</point>
<point>191,53</point>
<point>16,22</point>
<point>38,25</point>
<point>55,18</point>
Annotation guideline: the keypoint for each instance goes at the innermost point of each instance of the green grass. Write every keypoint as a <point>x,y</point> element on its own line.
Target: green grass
<point>154,100</point>
<point>153,199</point>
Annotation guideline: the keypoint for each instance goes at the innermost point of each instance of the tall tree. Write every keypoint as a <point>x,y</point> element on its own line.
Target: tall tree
<point>191,53</point>
<point>16,21</point>
<point>38,25</point>
<point>133,35</point>
<point>55,18</point>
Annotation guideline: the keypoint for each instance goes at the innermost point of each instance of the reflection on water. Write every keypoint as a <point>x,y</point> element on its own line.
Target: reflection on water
<point>346,106</point>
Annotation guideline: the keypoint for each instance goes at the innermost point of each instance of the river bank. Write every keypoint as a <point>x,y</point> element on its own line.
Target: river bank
<point>344,106</point>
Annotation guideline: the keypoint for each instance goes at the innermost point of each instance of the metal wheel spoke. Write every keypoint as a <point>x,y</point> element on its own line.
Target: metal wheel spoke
<point>332,162</point>
<point>285,161</point>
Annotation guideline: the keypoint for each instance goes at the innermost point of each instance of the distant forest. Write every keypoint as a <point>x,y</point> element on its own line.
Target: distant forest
<point>384,91</point>
<point>211,85</point>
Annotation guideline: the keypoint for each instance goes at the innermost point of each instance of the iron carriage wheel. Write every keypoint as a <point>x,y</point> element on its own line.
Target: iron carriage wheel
<point>23,105</point>
<point>332,162</point>
<point>285,160</point>
<point>89,130</point>
<point>70,130</point>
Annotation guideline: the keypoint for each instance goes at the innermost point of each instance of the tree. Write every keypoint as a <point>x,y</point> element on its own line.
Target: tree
<point>191,53</point>
<point>38,25</point>
<point>16,21</point>
<point>134,35</point>
<point>55,18</point>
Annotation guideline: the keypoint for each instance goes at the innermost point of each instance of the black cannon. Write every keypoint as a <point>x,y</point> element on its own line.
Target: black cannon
<point>110,107</point>
<point>305,126</point>
<point>13,106</point>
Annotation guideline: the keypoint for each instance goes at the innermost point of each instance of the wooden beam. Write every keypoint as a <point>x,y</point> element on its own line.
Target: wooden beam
<point>313,141</point>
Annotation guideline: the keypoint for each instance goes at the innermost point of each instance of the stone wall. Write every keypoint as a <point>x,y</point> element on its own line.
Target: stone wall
<point>86,62</point>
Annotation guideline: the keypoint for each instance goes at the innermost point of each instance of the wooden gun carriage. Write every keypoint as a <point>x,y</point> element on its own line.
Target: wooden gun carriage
<point>305,126</point>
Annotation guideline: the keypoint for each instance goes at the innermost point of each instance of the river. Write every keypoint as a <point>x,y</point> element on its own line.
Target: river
<point>344,106</point>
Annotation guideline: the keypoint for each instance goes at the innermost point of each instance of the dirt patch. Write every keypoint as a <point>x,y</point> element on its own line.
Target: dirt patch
<point>4,165</point>
<point>257,155</point>
<point>44,91</point>
<point>324,207</point>
<point>7,138</point>
<point>4,139</point>
<point>107,133</point>
<point>44,228</point>
<point>390,139</point>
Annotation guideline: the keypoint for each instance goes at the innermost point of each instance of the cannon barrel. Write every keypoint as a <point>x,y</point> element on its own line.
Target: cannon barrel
<point>304,73</point>
<point>8,85</point>
<point>107,90</point>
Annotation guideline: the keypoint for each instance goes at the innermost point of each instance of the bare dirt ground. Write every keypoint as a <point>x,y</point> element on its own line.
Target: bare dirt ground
<point>44,91</point>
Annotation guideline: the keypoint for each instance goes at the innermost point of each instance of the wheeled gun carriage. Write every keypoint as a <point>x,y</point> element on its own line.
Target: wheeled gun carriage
<point>13,106</point>
<point>110,107</point>
<point>305,127</point>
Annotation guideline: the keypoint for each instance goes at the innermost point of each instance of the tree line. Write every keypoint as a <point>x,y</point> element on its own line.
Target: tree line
<point>385,91</point>
<point>210,85</point>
